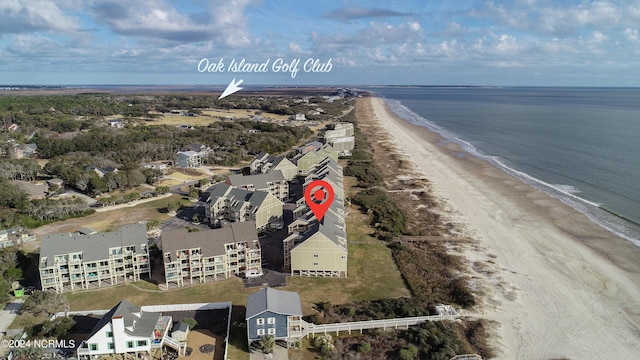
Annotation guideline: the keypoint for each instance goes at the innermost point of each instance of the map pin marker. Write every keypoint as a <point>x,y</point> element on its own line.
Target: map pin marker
<point>319,196</point>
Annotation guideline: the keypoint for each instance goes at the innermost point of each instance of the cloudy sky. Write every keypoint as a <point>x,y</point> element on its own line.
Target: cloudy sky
<point>462,42</point>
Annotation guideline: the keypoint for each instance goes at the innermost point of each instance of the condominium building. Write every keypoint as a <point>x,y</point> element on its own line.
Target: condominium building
<point>264,162</point>
<point>319,248</point>
<point>309,160</point>
<point>226,202</point>
<point>272,181</point>
<point>72,261</point>
<point>210,255</point>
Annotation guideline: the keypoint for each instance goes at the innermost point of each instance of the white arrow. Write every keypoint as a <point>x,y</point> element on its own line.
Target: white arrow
<point>231,88</point>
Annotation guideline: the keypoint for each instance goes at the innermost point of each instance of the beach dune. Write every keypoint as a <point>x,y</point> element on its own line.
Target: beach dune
<point>561,286</point>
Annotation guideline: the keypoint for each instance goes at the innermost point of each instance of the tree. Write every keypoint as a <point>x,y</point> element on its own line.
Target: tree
<point>9,272</point>
<point>203,182</point>
<point>153,224</point>
<point>194,193</point>
<point>191,322</point>
<point>364,347</point>
<point>45,301</point>
<point>173,206</point>
<point>266,344</point>
<point>162,189</point>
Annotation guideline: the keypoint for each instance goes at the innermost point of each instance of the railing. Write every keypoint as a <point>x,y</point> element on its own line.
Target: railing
<point>467,357</point>
<point>375,324</point>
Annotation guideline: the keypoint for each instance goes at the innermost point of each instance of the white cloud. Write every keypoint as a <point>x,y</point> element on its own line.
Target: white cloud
<point>18,16</point>
<point>631,34</point>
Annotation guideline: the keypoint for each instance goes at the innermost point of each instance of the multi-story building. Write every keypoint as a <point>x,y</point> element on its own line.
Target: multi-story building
<point>319,248</point>
<point>272,181</point>
<point>309,160</point>
<point>210,255</point>
<point>125,329</point>
<point>188,159</point>
<point>226,202</point>
<point>275,313</point>
<point>72,261</point>
<point>264,162</point>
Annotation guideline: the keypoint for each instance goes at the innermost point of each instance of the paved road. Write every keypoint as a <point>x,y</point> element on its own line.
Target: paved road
<point>9,313</point>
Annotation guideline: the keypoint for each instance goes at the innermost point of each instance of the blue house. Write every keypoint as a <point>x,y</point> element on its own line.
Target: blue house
<point>275,313</point>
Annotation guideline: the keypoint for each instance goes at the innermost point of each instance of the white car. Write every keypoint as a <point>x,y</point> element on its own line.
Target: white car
<point>252,274</point>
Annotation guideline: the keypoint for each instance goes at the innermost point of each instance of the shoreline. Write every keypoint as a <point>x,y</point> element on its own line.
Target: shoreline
<point>561,285</point>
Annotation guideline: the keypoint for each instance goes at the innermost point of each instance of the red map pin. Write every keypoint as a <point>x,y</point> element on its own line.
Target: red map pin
<point>319,196</point>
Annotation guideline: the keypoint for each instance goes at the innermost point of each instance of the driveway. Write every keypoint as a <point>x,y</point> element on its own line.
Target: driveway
<point>279,353</point>
<point>9,313</point>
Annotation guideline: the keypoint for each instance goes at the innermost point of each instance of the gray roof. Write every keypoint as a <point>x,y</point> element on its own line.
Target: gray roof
<point>259,181</point>
<point>145,322</point>
<point>93,246</point>
<point>211,242</point>
<point>255,198</point>
<point>277,301</point>
<point>181,326</point>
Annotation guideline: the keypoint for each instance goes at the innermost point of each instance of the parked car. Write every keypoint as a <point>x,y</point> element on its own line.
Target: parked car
<point>252,274</point>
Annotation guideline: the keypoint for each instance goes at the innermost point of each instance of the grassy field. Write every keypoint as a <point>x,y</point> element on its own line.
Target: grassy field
<point>111,220</point>
<point>372,273</point>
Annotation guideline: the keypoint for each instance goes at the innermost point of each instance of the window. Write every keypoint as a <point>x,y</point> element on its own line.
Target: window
<point>271,320</point>
<point>109,334</point>
<point>316,255</point>
<point>110,346</point>
<point>142,342</point>
<point>93,347</point>
<point>260,321</point>
<point>260,332</point>
<point>129,344</point>
<point>315,264</point>
<point>271,331</point>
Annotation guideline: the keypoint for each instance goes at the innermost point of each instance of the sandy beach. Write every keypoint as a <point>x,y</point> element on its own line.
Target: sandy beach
<point>559,286</point>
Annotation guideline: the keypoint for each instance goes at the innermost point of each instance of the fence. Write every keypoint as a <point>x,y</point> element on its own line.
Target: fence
<point>312,329</point>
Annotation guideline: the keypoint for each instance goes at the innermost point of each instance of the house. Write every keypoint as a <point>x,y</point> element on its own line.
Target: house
<point>300,117</point>
<point>127,330</point>
<point>100,171</point>
<point>225,202</point>
<point>19,151</point>
<point>156,165</point>
<point>13,127</point>
<point>116,123</point>
<point>204,150</point>
<point>274,313</point>
<point>210,255</point>
<point>71,261</point>
<point>14,237</point>
<point>188,159</point>
<point>272,181</point>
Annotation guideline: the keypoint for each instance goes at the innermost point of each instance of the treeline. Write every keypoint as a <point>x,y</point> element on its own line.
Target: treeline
<point>149,143</point>
<point>9,272</point>
<point>61,113</point>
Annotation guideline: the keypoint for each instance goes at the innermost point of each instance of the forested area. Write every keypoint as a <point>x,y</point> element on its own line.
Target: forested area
<point>71,133</point>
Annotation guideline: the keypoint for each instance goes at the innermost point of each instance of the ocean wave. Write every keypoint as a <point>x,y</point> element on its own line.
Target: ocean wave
<point>563,192</point>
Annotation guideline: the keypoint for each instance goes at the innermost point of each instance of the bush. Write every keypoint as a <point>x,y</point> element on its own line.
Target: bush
<point>191,322</point>
<point>364,347</point>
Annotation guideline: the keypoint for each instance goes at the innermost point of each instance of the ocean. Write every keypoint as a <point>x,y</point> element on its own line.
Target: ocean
<point>580,145</point>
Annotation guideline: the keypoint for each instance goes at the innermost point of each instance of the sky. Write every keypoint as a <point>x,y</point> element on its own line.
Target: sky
<point>405,42</point>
